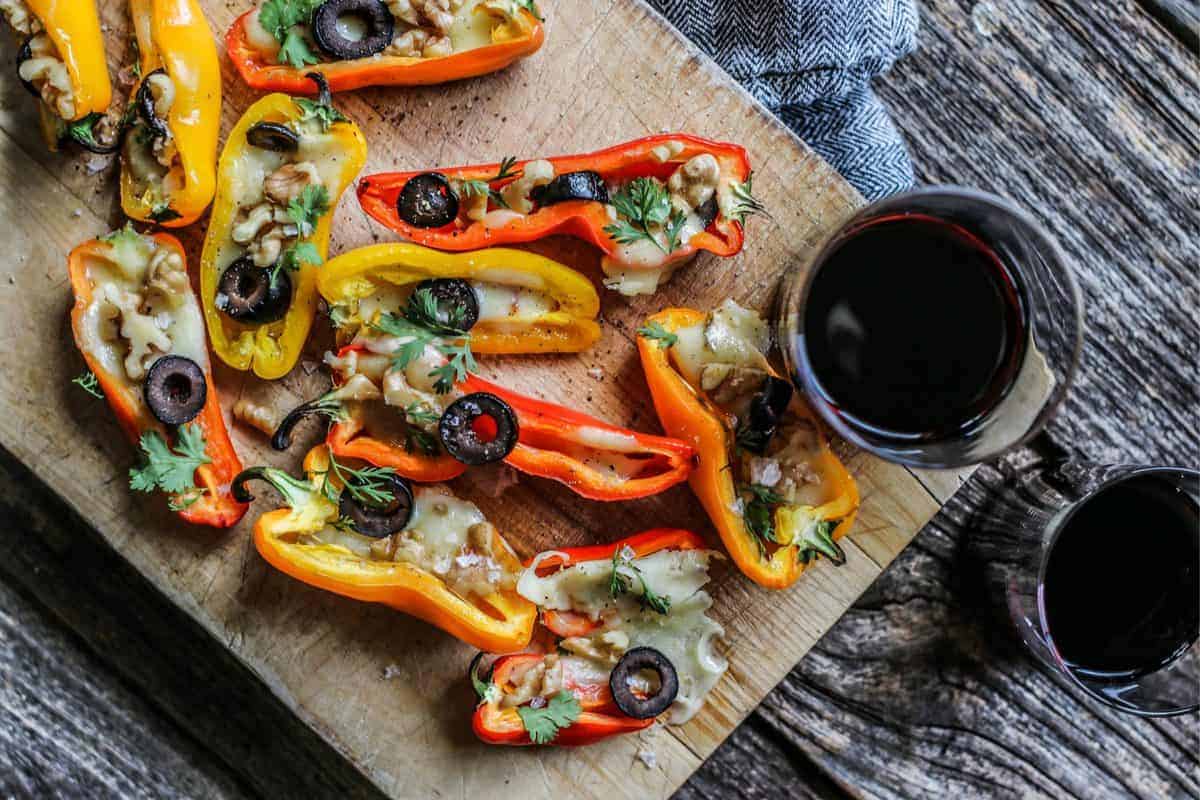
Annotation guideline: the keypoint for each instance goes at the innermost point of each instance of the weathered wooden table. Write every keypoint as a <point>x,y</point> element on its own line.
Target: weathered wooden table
<point>1085,113</point>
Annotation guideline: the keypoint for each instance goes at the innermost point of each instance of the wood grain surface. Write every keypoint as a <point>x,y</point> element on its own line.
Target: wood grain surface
<point>917,691</point>
<point>387,690</point>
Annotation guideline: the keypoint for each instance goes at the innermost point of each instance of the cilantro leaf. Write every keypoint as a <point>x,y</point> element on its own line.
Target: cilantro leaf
<point>89,383</point>
<point>280,17</point>
<point>657,332</point>
<point>325,116</point>
<point>294,50</point>
<point>543,724</point>
<point>307,208</point>
<point>171,470</point>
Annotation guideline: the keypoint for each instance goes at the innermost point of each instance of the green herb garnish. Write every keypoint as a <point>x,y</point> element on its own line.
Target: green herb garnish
<point>280,18</point>
<point>759,512</point>
<point>744,203</point>
<point>620,583</point>
<point>424,323</point>
<point>543,724</point>
<point>171,470</point>
<point>481,187</point>
<point>484,688</point>
<point>370,486</point>
<point>89,383</point>
<point>817,539</point>
<point>645,204</point>
<point>658,333</point>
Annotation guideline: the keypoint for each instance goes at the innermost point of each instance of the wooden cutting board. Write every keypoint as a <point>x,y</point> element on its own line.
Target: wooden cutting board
<point>386,690</point>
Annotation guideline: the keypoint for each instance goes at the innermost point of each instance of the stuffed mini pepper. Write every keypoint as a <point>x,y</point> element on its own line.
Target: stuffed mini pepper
<point>169,154</point>
<point>365,533</point>
<point>650,205</point>
<point>140,330</point>
<point>511,301</point>
<point>356,43</point>
<point>61,62</point>
<point>635,644</point>
<point>284,167</point>
<point>405,400</point>
<point>776,493</point>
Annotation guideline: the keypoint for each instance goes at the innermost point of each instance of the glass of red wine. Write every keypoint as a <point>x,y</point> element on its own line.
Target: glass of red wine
<point>1101,569</point>
<point>936,328</point>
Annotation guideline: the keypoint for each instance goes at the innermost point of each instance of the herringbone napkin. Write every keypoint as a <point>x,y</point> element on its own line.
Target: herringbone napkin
<point>811,62</point>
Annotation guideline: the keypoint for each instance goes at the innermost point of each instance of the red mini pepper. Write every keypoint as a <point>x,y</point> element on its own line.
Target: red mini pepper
<point>585,219</point>
<point>547,434</point>
<point>522,37</point>
<point>600,717</point>
<point>215,506</point>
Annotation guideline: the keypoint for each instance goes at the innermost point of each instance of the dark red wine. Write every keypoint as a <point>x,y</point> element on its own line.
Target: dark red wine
<point>1122,582</point>
<point>913,326</point>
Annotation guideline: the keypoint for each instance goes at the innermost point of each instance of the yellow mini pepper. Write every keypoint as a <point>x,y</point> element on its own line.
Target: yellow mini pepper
<point>271,349</point>
<point>687,414</point>
<point>173,36</point>
<point>567,328</point>
<point>74,28</point>
<point>502,622</point>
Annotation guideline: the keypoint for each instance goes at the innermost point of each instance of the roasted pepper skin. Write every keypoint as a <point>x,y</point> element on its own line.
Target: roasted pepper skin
<point>216,507</point>
<point>396,585</point>
<point>270,349</point>
<point>584,219</point>
<point>74,27</point>
<point>600,718</point>
<point>260,74</point>
<point>570,329</point>
<point>686,415</point>
<point>173,35</point>
<point>543,427</point>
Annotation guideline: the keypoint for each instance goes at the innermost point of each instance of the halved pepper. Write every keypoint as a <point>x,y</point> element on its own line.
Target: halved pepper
<point>686,413</point>
<point>91,264</point>
<point>173,37</point>
<point>658,157</point>
<point>500,622</point>
<point>600,718</point>
<point>271,348</point>
<point>568,325</point>
<point>549,439</point>
<point>74,30</point>
<point>512,38</point>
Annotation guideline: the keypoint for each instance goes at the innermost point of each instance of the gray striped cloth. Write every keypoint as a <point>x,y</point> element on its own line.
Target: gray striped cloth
<point>811,62</point>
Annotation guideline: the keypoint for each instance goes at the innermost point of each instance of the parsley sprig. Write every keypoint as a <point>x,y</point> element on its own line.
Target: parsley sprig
<point>645,204</point>
<point>424,322</point>
<point>481,187</point>
<point>89,383</point>
<point>543,724</point>
<point>306,210</point>
<point>620,583</point>
<point>172,470</point>
<point>658,333</point>
<point>759,512</point>
<point>280,18</point>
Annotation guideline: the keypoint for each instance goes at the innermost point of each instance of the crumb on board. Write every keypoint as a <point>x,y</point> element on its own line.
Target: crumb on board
<point>391,671</point>
<point>596,373</point>
<point>648,758</point>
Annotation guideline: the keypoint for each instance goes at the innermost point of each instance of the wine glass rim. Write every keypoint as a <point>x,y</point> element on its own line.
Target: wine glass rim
<point>1043,624</point>
<point>1069,366</point>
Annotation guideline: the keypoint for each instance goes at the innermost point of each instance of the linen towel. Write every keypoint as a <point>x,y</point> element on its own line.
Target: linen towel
<point>811,62</point>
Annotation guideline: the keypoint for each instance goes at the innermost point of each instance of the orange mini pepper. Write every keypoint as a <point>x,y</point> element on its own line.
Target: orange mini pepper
<point>501,622</point>
<point>173,36</point>
<point>686,413</point>
<point>520,36</point>
<point>215,505</point>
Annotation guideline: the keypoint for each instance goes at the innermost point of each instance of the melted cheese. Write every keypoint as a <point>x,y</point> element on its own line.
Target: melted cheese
<point>123,269</point>
<point>436,540</point>
<point>471,28</point>
<point>730,335</point>
<point>685,635</point>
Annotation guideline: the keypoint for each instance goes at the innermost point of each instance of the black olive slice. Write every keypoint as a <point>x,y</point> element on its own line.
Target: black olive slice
<point>456,302</point>
<point>144,102</point>
<point>427,201</point>
<point>380,521</point>
<point>708,210</point>
<point>767,408</point>
<point>633,662</point>
<point>249,293</point>
<point>24,53</point>
<point>457,431</point>
<point>585,185</point>
<point>175,390</point>
<point>332,39</point>
<point>274,137</point>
